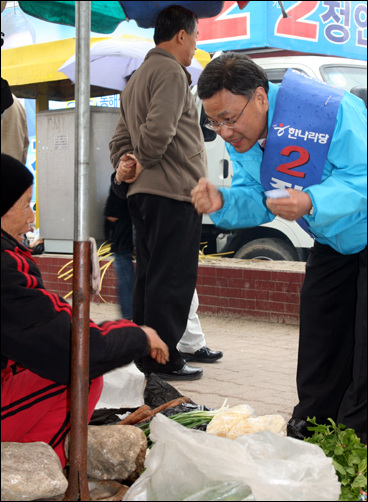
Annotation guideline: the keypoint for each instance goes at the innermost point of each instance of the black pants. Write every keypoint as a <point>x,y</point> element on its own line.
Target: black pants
<point>332,361</point>
<point>167,245</point>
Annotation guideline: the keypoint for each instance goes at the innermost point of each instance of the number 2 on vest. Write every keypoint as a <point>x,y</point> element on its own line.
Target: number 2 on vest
<point>301,161</point>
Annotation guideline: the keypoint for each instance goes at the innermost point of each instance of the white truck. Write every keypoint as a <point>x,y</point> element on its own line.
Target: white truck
<point>280,239</point>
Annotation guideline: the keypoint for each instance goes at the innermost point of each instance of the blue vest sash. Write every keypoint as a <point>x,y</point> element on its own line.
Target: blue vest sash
<point>300,134</point>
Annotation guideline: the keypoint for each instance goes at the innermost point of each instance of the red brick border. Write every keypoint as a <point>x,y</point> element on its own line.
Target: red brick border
<point>259,294</point>
<point>266,291</point>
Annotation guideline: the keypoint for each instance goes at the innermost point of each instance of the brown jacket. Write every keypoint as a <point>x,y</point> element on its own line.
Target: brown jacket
<point>159,124</point>
<point>14,132</point>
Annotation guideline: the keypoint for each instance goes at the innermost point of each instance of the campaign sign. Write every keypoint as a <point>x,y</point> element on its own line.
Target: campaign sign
<point>300,134</point>
<point>329,28</point>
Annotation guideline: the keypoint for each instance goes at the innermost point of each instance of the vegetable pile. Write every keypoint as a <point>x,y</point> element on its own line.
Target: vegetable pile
<point>349,457</point>
<point>189,419</point>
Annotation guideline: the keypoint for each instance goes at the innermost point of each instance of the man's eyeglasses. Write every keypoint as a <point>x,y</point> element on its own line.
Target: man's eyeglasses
<point>230,124</point>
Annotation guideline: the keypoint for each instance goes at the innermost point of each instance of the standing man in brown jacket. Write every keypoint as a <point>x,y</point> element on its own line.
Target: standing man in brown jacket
<point>159,155</point>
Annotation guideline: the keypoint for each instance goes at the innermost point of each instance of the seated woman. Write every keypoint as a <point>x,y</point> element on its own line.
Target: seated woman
<point>36,333</point>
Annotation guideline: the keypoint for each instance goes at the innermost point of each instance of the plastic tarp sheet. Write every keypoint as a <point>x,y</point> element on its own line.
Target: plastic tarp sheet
<point>186,464</point>
<point>105,16</point>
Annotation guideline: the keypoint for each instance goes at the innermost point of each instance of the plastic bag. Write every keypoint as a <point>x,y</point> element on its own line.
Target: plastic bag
<point>234,422</point>
<point>224,421</point>
<point>123,388</point>
<point>185,464</point>
<point>158,392</point>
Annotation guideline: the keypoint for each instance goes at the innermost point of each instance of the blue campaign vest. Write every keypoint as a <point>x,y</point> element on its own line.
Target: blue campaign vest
<point>301,130</point>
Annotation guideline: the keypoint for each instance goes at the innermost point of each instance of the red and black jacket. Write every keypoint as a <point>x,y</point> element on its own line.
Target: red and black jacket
<point>36,324</point>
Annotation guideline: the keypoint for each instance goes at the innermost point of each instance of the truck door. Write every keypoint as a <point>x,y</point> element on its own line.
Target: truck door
<point>219,172</point>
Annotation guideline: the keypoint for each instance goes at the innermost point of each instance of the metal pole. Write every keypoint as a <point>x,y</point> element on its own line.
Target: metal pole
<point>78,485</point>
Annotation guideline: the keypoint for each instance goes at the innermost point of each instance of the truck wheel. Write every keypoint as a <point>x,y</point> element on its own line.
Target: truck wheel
<point>267,249</point>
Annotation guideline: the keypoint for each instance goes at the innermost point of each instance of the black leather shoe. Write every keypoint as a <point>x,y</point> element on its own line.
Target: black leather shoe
<point>185,373</point>
<point>203,355</point>
<point>297,428</point>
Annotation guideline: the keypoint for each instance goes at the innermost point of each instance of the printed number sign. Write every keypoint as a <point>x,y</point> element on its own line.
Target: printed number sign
<point>288,167</point>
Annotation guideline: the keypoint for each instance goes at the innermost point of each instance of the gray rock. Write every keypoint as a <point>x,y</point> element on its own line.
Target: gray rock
<point>30,471</point>
<point>115,452</point>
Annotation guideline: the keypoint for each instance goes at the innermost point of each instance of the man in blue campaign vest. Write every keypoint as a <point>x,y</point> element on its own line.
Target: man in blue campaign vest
<point>308,141</point>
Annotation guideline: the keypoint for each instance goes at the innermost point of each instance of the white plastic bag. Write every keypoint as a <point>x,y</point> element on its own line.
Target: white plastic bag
<point>123,388</point>
<point>187,464</point>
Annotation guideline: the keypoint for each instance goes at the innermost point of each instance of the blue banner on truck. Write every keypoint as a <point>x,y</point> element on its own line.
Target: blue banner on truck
<point>329,28</point>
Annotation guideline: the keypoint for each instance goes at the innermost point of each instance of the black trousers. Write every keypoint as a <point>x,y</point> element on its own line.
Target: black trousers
<point>168,236</point>
<point>332,360</point>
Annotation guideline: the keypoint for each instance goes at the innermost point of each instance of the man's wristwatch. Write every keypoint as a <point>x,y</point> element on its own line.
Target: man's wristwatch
<point>311,211</point>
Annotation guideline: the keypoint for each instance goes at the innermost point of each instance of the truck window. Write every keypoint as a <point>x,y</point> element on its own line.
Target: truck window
<point>275,75</point>
<point>345,77</point>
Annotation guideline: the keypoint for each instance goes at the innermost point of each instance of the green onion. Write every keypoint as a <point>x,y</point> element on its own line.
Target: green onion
<point>192,418</point>
<point>188,419</point>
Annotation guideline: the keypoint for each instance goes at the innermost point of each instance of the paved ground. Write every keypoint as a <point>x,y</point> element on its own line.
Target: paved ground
<point>258,367</point>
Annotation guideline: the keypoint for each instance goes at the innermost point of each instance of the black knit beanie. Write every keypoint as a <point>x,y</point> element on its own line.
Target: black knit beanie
<point>15,180</point>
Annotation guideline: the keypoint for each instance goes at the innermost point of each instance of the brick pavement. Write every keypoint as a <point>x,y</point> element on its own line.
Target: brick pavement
<point>258,367</point>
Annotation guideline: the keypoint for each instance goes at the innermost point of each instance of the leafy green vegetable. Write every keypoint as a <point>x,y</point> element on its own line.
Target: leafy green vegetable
<point>349,456</point>
<point>189,419</point>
